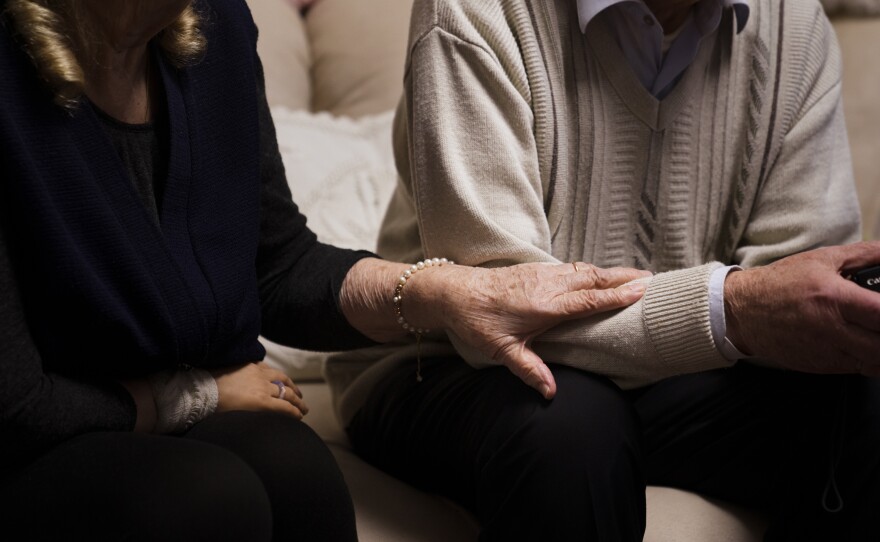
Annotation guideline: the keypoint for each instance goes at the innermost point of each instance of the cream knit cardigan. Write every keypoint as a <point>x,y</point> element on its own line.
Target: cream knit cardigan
<point>520,139</point>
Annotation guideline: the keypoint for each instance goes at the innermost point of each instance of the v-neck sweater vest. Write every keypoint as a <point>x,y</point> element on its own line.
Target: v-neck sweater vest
<point>521,139</point>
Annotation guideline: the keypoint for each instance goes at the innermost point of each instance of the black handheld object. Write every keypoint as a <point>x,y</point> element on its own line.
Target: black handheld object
<point>868,278</point>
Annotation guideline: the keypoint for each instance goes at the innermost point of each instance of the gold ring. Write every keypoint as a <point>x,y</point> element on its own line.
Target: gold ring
<point>576,270</point>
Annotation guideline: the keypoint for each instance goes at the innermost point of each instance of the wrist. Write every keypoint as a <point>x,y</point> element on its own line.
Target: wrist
<point>182,398</point>
<point>369,289</point>
<point>734,308</point>
<point>427,289</point>
<point>366,298</point>
<point>145,404</point>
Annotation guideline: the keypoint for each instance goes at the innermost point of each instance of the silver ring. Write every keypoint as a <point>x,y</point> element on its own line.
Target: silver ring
<point>281,388</point>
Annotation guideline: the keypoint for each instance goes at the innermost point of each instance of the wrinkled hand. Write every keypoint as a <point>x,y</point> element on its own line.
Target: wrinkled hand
<point>499,311</point>
<point>801,312</point>
<point>251,387</point>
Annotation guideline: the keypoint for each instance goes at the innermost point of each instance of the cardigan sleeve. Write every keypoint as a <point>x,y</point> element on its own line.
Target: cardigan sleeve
<point>40,408</point>
<point>299,277</point>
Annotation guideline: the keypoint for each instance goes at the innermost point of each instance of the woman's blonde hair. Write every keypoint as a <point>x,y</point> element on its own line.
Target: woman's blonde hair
<point>55,35</point>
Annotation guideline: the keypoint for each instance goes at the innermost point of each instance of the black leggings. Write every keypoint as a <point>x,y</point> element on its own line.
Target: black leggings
<point>235,476</point>
<point>575,468</point>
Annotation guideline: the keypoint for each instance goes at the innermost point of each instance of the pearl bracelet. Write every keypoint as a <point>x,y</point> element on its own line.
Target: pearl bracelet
<point>401,282</point>
<point>398,302</point>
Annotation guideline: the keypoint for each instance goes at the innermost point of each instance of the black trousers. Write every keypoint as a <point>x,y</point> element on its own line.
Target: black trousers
<point>575,468</point>
<point>237,476</point>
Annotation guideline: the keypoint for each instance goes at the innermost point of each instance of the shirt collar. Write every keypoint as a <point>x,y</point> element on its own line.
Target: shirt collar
<point>589,9</point>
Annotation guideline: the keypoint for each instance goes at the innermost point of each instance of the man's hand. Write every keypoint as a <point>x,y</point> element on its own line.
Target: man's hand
<point>801,313</point>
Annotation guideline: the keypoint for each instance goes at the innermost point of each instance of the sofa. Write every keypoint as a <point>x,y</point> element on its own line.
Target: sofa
<point>333,77</point>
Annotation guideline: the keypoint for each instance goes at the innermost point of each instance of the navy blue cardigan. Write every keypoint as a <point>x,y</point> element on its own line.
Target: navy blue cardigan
<point>102,292</point>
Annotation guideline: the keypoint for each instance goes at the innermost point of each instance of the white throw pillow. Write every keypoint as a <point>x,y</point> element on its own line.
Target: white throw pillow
<point>341,174</point>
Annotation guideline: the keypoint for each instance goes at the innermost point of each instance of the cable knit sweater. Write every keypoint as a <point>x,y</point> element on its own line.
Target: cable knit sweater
<point>521,139</point>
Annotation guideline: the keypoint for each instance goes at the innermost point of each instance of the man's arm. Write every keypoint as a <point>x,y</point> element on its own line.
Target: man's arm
<point>800,312</point>
<point>471,190</point>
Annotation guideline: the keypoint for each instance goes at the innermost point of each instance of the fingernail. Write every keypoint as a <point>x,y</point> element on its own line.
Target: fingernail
<point>544,390</point>
<point>637,287</point>
<point>647,274</point>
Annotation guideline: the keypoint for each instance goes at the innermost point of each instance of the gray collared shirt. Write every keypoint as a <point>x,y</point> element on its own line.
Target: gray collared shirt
<point>657,60</point>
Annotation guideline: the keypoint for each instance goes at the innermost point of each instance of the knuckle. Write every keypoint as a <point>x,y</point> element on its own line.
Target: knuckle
<point>592,272</point>
<point>588,300</point>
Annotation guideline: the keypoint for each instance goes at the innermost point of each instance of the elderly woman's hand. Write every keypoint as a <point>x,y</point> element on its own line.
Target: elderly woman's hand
<point>499,311</point>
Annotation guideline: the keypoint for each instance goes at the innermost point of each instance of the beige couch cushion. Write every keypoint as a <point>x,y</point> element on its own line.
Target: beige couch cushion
<point>860,42</point>
<point>284,51</point>
<point>358,53</point>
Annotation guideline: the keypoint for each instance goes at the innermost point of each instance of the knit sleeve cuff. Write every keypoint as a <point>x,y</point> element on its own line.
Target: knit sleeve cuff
<point>677,316</point>
<point>183,398</point>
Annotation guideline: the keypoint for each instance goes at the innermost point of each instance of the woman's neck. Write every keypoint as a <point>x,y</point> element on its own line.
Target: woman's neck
<point>118,70</point>
<point>119,83</point>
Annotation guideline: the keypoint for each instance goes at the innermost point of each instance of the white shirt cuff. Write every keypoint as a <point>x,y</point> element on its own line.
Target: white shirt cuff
<point>716,314</point>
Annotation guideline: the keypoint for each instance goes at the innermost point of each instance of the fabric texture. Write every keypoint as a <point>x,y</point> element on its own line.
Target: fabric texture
<point>344,172</point>
<point>510,164</point>
<point>183,398</point>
